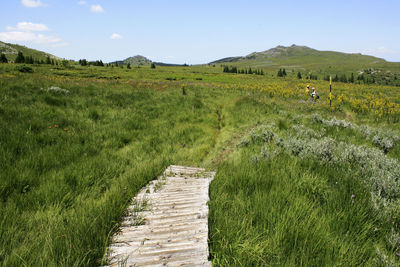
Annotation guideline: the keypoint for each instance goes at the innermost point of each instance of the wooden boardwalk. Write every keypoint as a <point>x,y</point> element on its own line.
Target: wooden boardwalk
<point>167,224</point>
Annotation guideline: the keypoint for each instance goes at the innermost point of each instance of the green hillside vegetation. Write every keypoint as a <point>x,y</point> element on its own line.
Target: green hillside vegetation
<point>319,63</point>
<point>298,183</point>
<point>11,52</point>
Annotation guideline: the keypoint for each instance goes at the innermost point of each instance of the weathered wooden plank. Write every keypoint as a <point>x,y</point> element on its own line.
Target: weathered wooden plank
<point>173,214</point>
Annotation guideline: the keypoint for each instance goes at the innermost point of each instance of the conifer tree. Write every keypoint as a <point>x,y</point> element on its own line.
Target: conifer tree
<point>351,78</point>
<point>299,75</point>
<point>3,58</point>
<point>48,60</point>
<point>280,73</point>
<point>343,78</point>
<point>20,58</point>
<point>283,72</point>
<point>128,66</point>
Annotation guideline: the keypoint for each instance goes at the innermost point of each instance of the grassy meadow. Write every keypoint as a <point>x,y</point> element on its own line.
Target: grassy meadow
<point>298,183</point>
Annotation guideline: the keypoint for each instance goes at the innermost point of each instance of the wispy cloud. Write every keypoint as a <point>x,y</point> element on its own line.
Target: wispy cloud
<point>28,26</point>
<point>18,36</point>
<point>81,3</point>
<point>26,32</point>
<point>32,3</point>
<point>115,36</point>
<point>97,9</point>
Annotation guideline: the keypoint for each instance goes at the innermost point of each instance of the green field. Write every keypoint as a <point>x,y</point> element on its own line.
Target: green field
<point>298,183</point>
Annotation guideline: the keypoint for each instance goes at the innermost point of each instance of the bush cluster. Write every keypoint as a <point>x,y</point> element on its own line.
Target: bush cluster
<point>381,173</point>
<point>383,139</point>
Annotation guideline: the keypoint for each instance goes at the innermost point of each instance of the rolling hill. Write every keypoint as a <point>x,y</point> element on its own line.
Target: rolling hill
<point>303,58</point>
<point>143,61</point>
<point>11,51</point>
<point>135,61</point>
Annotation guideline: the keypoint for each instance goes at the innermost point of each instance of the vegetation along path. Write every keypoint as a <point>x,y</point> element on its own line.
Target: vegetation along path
<point>167,223</point>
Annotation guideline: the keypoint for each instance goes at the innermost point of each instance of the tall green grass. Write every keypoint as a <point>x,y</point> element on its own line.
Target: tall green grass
<point>277,209</point>
<point>71,162</point>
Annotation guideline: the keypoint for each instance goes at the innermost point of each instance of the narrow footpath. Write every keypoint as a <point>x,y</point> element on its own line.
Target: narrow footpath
<point>167,224</point>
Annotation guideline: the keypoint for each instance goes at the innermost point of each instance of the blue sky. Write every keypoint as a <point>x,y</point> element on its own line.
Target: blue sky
<point>195,32</point>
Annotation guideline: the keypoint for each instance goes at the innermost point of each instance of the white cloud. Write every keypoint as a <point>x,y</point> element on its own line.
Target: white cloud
<point>115,36</point>
<point>32,3</point>
<point>82,3</point>
<point>26,32</point>
<point>96,9</point>
<point>18,36</point>
<point>28,26</point>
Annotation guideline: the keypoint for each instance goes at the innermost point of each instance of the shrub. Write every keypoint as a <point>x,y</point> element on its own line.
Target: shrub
<point>24,69</point>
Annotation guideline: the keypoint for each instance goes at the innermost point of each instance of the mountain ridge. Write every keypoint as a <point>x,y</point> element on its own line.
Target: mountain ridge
<point>291,51</point>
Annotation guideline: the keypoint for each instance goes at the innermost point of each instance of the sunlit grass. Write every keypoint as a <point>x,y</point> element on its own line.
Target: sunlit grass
<point>71,161</point>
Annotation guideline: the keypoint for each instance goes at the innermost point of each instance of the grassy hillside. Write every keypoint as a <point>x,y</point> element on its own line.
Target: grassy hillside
<point>307,60</point>
<point>11,51</point>
<point>77,143</point>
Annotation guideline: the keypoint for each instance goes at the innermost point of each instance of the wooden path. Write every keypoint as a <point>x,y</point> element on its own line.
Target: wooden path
<point>167,224</point>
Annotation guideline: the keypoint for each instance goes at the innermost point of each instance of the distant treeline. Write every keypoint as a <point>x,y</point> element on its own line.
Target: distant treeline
<point>230,69</point>
<point>84,62</point>
<point>367,76</point>
<point>29,59</point>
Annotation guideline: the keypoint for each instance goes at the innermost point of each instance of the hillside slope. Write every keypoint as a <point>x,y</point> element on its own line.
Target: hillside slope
<point>305,58</point>
<point>11,51</point>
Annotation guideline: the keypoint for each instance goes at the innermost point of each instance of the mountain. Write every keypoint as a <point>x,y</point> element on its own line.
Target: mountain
<point>135,61</point>
<point>11,51</point>
<point>305,58</point>
<point>143,61</point>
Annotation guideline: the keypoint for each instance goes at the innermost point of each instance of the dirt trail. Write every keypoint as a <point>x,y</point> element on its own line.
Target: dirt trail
<point>167,224</point>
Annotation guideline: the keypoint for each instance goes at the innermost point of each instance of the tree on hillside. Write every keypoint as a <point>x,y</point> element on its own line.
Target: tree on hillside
<point>299,75</point>
<point>20,58</point>
<point>29,60</point>
<point>351,78</point>
<point>153,66</point>
<point>3,58</point>
<point>83,62</point>
<point>284,72</point>
<point>336,79</point>
<point>128,66</point>
<point>48,60</point>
